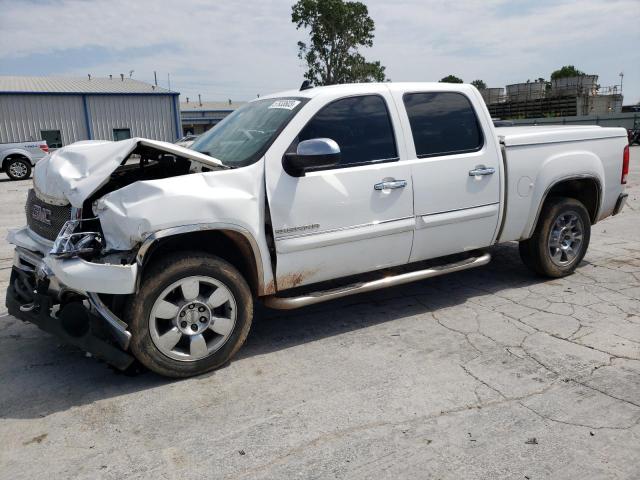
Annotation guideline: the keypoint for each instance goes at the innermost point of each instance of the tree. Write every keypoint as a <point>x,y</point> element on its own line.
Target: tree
<point>337,28</point>
<point>451,79</point>
<point>566,71</point>
<point>479,84</point>
<point>547,85</point>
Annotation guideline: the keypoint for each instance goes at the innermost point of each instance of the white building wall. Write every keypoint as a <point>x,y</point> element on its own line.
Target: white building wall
<point>23,116</point>
<point>148,116</point>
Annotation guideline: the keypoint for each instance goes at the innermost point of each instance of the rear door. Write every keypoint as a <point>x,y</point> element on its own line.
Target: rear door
<point>336,222</point>
<point>455,169</point>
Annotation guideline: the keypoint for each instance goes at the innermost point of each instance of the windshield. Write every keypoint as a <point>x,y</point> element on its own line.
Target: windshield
<point>245,135</point>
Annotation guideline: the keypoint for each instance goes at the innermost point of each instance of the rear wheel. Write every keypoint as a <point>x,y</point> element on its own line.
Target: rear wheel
<point>560,239</point>
<point>192,314</point>
<point>18,168</point>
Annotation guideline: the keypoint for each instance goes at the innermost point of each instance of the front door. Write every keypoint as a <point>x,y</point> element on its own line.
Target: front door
<point>456,173</point>
<point>344,220</point>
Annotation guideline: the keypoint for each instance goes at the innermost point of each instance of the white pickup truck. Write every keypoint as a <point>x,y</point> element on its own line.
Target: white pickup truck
<point>147,250</point>
<point>17,159</point>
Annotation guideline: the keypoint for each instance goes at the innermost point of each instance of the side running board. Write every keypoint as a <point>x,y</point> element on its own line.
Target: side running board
<point>288,303</point>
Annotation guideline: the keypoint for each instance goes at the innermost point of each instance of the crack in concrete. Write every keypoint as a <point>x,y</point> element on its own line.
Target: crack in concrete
<point>486,384</point>
<point>341,433</point>
<point>577,424</point>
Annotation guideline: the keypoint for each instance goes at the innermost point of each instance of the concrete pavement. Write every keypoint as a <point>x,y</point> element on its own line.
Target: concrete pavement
<point>489,373</point>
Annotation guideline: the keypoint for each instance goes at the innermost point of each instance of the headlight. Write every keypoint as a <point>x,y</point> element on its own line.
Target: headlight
<point>70,243</point>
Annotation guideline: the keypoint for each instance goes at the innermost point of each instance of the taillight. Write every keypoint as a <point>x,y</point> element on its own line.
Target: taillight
<point>625,165</point>
<point>44,148</point>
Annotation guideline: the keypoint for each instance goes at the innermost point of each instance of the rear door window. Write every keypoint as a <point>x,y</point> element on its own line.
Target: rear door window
<point>360,125</point>
<point>442,123</point>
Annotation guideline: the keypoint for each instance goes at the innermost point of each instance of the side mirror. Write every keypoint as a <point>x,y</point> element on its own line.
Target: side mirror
<point>314,154</point>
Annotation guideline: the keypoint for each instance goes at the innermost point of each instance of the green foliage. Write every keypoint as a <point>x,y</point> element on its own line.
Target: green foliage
<point>479,84</point>
<point>337,29</point>
<point>566,71</point>
<point>547,85</point>
<point>451,79</point>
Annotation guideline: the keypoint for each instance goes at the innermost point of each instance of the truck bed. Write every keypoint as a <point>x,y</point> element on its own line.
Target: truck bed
<point>538,134</point>
<point>537,157</point>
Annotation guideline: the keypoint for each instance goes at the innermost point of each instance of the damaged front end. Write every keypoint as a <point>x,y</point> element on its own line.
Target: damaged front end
<point>67,278</point>
<point>78,317</point>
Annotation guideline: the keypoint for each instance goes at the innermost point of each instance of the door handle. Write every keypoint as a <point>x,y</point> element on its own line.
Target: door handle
<point>482,170</point>
<point>390,185</point>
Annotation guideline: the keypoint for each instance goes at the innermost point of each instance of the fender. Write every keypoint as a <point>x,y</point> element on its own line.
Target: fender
<point>15,151</point>
<point>564,179</point>
<point>152,239</point>
<point>560,168</point>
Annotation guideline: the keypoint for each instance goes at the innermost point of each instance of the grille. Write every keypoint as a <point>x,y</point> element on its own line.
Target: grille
<point>44,218</point>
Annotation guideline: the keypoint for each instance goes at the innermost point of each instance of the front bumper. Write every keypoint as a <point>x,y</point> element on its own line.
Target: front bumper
<point>78,274</point>
<point>75,315</point>
<point>75,325</point>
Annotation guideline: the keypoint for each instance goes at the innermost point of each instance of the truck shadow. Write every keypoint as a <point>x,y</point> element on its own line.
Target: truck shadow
<point>16,182</point>
<point>276,330</point>
<point>39,377</point>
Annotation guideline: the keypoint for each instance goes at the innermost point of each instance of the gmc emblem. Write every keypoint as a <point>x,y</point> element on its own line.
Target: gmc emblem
<point>41,214</point>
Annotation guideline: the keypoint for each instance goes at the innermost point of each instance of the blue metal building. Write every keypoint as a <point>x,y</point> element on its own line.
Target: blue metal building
<point>198,117</point>
<point>65,110</point>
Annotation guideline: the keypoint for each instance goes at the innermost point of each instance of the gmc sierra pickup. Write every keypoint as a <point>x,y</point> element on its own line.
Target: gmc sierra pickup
<point>146,250</point>
<point>17,159</point>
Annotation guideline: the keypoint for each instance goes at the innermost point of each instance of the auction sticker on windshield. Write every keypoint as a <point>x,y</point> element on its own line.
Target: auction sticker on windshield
<point>286,104</point>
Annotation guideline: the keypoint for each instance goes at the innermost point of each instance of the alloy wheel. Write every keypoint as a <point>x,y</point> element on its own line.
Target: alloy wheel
<point>565,238</point>
<point>18,170</point>
<point>192,318</point>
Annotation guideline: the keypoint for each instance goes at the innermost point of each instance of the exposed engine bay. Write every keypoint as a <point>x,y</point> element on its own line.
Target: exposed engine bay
<point>78,172</point>
<point>147,163</point>
<point>77,232</point>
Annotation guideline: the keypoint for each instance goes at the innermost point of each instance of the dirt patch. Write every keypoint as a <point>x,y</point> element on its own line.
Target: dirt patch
<point>270,288</point>
<point>292,280</point>
<point>37,439</point>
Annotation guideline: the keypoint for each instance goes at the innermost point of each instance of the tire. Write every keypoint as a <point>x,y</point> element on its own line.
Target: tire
<point>17,168</point>
<point>558,255</point>
<point>161,315</point>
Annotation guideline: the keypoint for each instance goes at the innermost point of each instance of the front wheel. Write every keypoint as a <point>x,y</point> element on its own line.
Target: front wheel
<point>18,168</point>
<point>560,239</point>
<point>192,314</point>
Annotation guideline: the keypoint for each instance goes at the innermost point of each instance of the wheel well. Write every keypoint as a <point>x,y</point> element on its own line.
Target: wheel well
<point>585,190</point>
<point>226,244</point>
<point>11,156</point>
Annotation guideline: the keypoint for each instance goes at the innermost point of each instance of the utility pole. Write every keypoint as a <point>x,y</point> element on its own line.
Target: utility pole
<point>155,78</point>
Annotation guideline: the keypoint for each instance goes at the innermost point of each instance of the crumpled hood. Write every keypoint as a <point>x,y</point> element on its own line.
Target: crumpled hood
<point>72,173</point>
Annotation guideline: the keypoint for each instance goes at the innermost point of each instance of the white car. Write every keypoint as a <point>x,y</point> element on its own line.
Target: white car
<point>17,159</point>
<point>144,249</point>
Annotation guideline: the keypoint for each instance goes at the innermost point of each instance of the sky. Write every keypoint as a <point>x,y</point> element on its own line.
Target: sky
<point>239,49</point>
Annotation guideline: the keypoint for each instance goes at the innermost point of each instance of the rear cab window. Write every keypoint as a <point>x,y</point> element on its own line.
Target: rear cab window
<point>360,125</point>
<point>442,123</point>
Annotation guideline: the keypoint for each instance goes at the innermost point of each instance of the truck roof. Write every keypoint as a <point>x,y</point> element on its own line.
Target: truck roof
<point>373,87</point>
<point>524,135</point>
